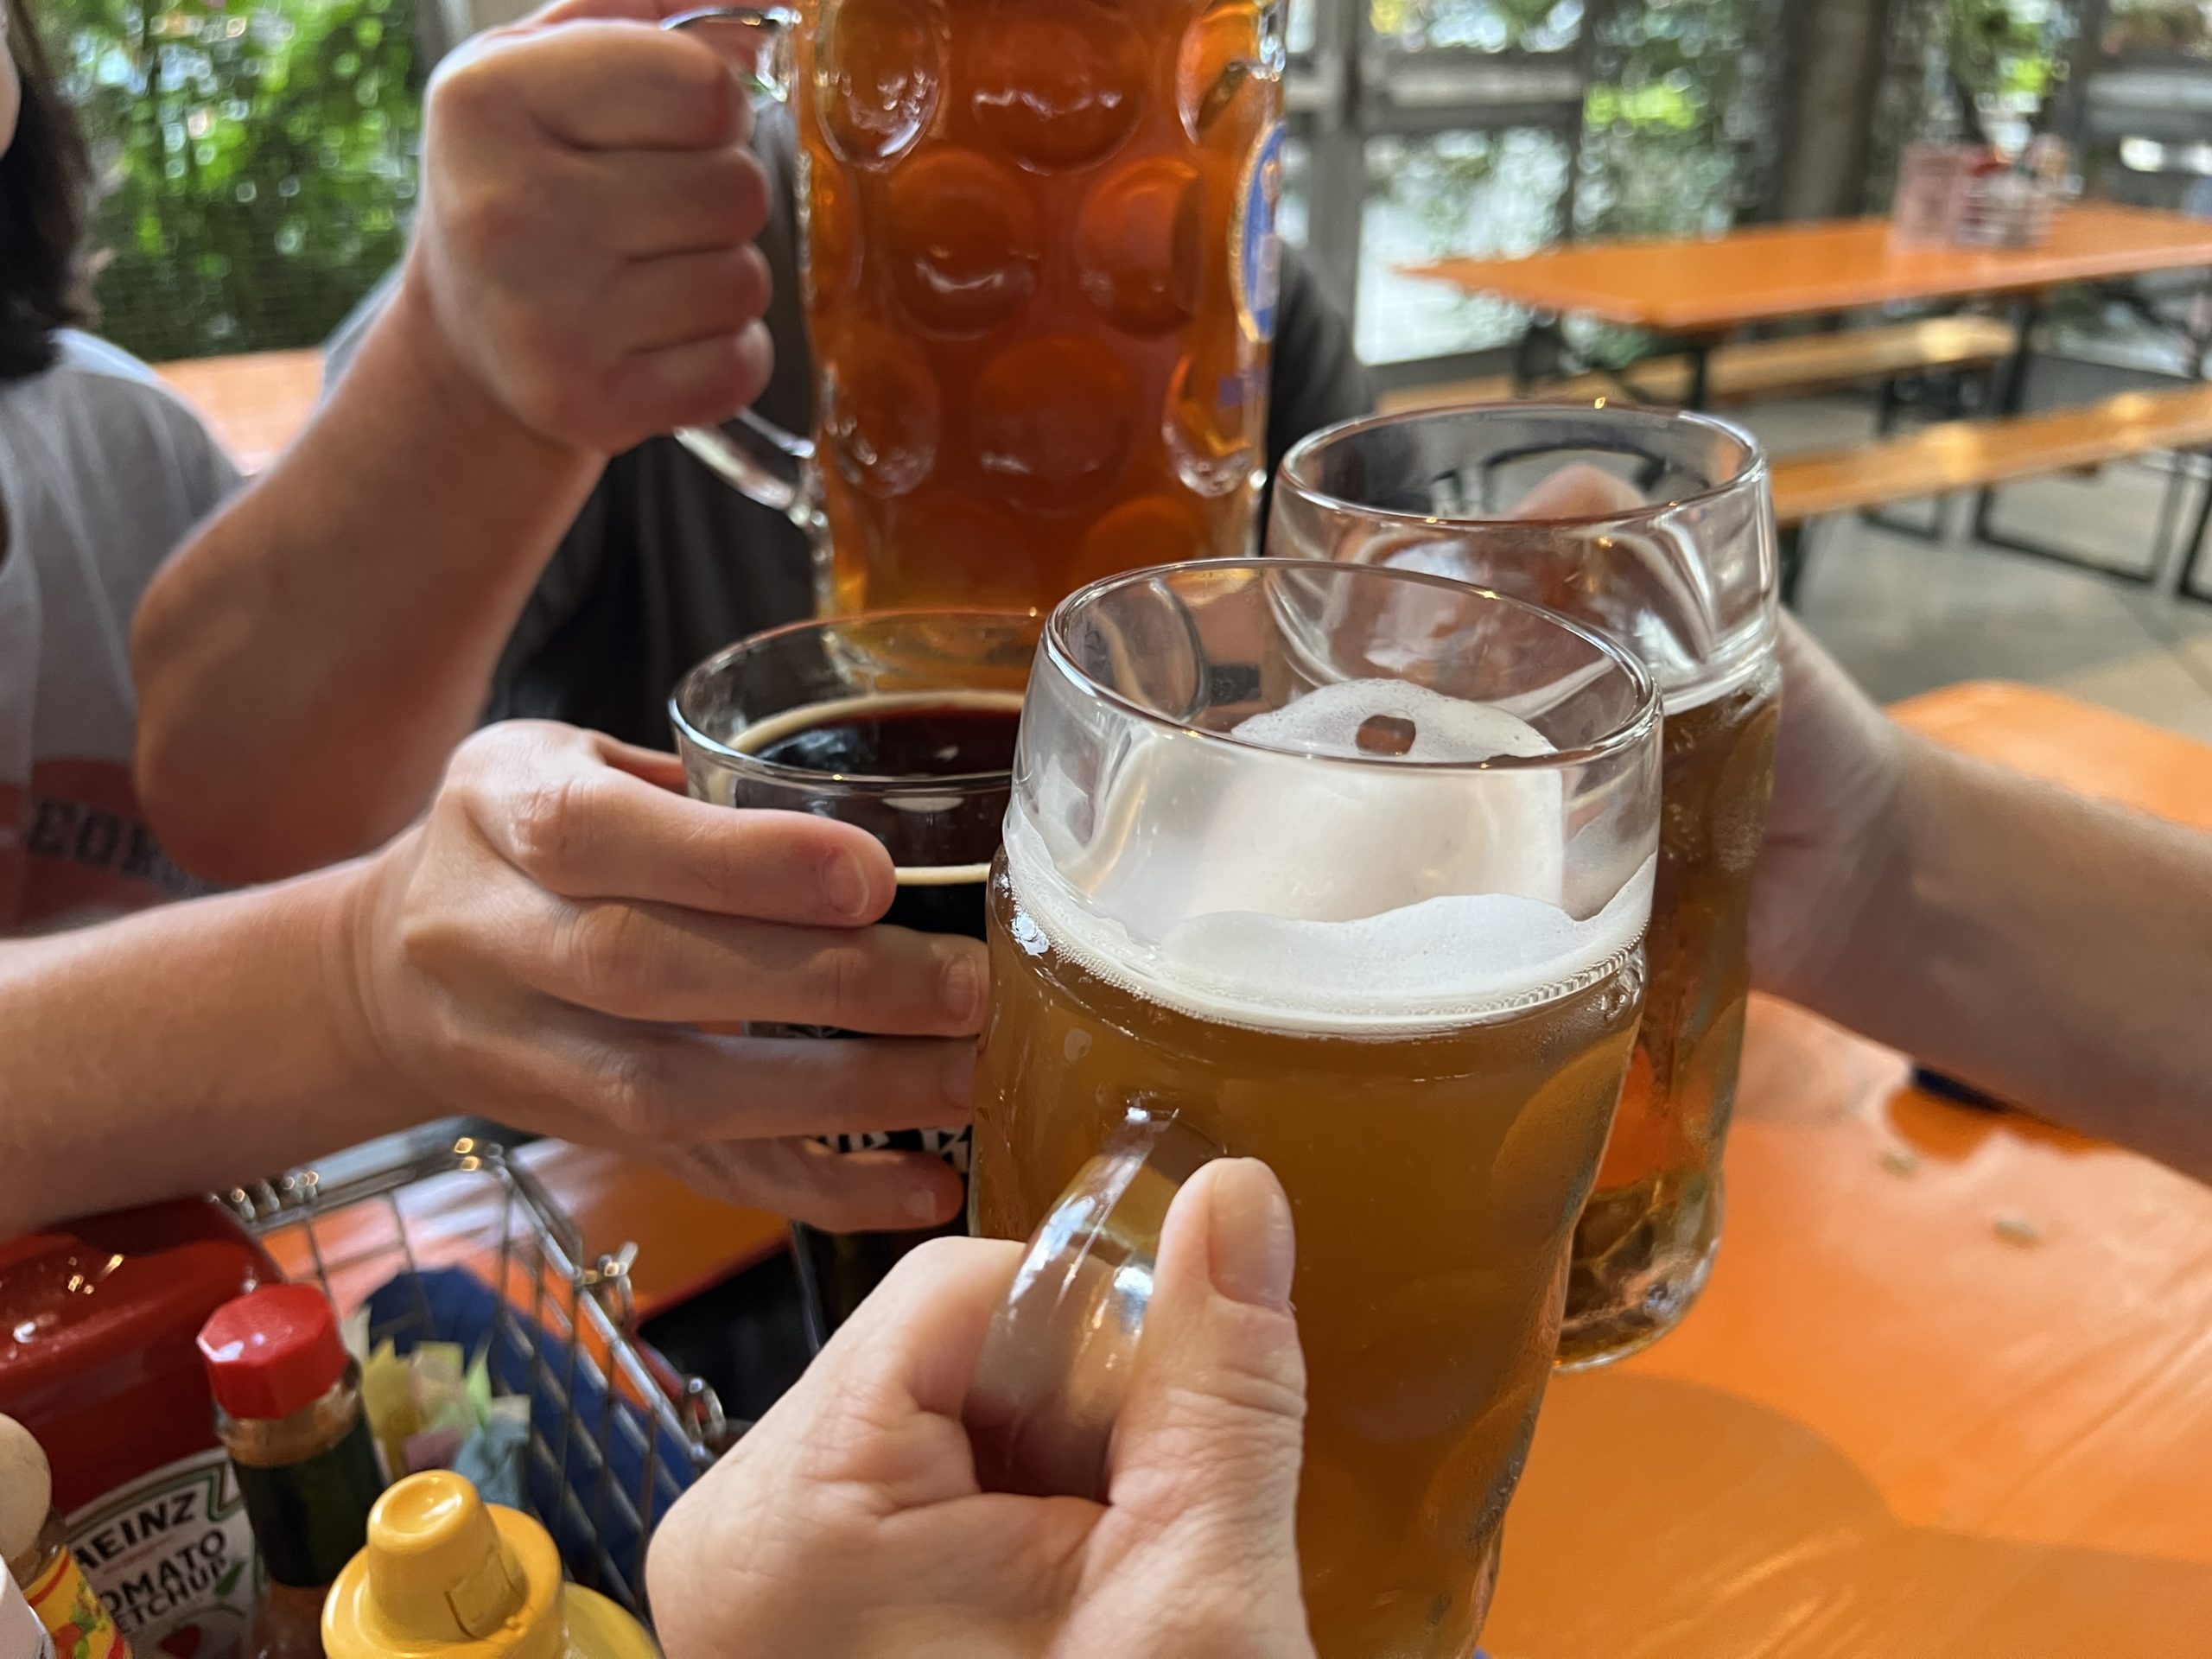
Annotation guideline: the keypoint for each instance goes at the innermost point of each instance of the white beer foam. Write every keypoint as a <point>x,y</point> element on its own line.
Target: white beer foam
<point>1379,896</point>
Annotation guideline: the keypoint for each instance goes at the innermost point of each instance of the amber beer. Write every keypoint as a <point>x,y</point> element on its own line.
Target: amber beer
<point>1039,282</point>
<point>1357,887</point>
<point>1657,528</point>
<point>1433,1174</point>
<point>1647,1238</point>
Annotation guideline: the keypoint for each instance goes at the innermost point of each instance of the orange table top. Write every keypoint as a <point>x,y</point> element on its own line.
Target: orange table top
<point>1951,1389</point>
<point>253,403</point>
<point>1711,284</point>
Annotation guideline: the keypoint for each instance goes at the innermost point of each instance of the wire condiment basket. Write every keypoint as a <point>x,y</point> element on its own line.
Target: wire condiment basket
<point>454,1241</point>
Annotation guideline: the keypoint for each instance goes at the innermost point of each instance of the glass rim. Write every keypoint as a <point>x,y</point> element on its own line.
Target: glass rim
<point>860,782</point>
<point>1753,473</point>
<point>1636,728</point>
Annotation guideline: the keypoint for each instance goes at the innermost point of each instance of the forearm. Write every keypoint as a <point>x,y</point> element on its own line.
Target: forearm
<point>2053,951</point>
<point>184,1049</point>
<point>307,661</point>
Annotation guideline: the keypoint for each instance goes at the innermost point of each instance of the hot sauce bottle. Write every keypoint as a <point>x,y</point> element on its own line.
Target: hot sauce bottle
<point>288,1407</point>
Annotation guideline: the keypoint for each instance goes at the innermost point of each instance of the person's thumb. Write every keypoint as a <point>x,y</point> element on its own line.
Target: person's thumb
<point>1209,1440</point>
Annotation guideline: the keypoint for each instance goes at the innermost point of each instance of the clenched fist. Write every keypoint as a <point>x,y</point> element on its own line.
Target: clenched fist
<point>585,247</point>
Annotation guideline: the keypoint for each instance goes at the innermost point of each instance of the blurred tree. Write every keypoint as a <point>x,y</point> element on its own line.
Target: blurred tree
<point>255,162</point>
<point>2003,58</point>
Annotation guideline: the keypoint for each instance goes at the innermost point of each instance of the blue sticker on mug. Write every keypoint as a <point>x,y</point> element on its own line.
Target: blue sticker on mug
<point>1258,256</point>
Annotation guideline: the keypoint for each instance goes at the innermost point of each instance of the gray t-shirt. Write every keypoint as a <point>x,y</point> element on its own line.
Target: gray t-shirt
<point>667,564</point>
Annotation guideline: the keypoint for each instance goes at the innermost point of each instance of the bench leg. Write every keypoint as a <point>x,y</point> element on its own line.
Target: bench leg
<point>2013,384</point>
<point>1701,385</point>
<point>1536,353</point>
<point>1794,548</point>
<point>2192,552</point>
<point>1988,535</point>
<point>1885,407</point>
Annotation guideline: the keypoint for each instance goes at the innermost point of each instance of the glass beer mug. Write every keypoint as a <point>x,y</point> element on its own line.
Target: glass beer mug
<point>1657,528</point>
<point>1347,870</point>
<point>1039,266</point>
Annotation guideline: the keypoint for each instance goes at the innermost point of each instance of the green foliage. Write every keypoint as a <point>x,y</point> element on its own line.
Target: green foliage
<point>1481,25</point>
<point>1658,155</point>
<point>256,164</point>
<point>1999,49</point>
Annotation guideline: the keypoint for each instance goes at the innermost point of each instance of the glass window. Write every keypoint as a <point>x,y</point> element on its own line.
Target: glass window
<point>1451,193</point>
<point>1294,214</point>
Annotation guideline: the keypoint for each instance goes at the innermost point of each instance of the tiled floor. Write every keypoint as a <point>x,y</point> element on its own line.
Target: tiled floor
<point>1905,614</point>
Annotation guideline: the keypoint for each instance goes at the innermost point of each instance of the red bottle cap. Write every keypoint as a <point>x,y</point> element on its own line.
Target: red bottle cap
<point>273,1352</point>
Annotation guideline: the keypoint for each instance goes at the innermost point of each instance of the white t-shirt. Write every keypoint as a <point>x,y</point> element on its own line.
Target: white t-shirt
<point>102,472</point>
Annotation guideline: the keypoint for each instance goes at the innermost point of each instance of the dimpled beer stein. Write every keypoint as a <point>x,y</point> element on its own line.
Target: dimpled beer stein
<point>1039,273</point>
<point>1657,528</point>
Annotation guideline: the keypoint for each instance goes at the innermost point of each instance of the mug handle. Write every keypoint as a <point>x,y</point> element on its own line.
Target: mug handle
<point>1056,1365</point>
<point>751,453</point>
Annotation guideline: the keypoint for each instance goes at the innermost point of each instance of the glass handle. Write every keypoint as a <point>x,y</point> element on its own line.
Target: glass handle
<point>751,453</point>
<point>1056,1365</point>
<point>768,70</point>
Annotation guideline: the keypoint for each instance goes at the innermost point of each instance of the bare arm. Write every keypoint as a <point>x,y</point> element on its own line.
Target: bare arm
<point>188,1048</point>
<point>307,663</point>
<point>2050,949</point>
<point>582,276</point>
<point>543,949</point>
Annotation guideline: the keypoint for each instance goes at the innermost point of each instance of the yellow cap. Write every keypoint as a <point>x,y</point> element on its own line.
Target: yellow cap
<point>446,1576</point>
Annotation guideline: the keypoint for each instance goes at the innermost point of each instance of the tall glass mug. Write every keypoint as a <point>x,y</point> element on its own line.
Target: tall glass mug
<point>1346,870</point>
<point>1039,272</point>
<point>902,723</point>
<point>1658,529</point>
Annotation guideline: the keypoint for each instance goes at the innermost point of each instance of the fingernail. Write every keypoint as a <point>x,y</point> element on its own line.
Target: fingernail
<point>960,1077</point>
<point>844,886</point>
<point>1249,1235</point>
<point>923,1206</point>
<point>962,988</point>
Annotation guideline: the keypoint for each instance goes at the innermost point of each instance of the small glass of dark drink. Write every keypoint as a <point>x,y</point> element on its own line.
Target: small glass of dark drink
<point>902,723</point>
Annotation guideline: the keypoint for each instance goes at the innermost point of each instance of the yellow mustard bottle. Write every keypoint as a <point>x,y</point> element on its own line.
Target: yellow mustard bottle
<point>447,1576</point>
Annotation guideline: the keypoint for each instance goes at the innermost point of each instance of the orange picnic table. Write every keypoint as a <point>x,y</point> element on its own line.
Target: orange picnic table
<point>1700,289</point>
<point>1949,1392</point>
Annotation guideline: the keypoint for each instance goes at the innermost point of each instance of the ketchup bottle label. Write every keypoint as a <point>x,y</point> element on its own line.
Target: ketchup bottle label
<point>172,1556</point>
<point>65,1603</point>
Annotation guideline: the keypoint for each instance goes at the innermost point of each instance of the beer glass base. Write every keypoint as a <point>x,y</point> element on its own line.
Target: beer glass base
<point>1486,1585</point>
<point>1655,1247</point>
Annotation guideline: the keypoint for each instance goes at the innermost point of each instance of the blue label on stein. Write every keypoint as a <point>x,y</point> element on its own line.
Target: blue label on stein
<point>1258,256</point>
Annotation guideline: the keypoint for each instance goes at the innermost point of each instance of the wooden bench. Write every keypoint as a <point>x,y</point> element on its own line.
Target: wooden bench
<point>1763,368</point>
<point>1977,455</point>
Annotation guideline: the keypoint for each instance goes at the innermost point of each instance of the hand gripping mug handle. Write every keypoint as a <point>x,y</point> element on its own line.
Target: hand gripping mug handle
<point>1056,1366</point>
<point>775,468</point>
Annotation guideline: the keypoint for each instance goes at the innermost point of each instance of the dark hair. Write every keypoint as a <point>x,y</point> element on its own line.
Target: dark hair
<point>44,187</point>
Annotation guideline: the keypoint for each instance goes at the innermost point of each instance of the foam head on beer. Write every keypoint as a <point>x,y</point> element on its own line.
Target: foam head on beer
<point>1370,854</point>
